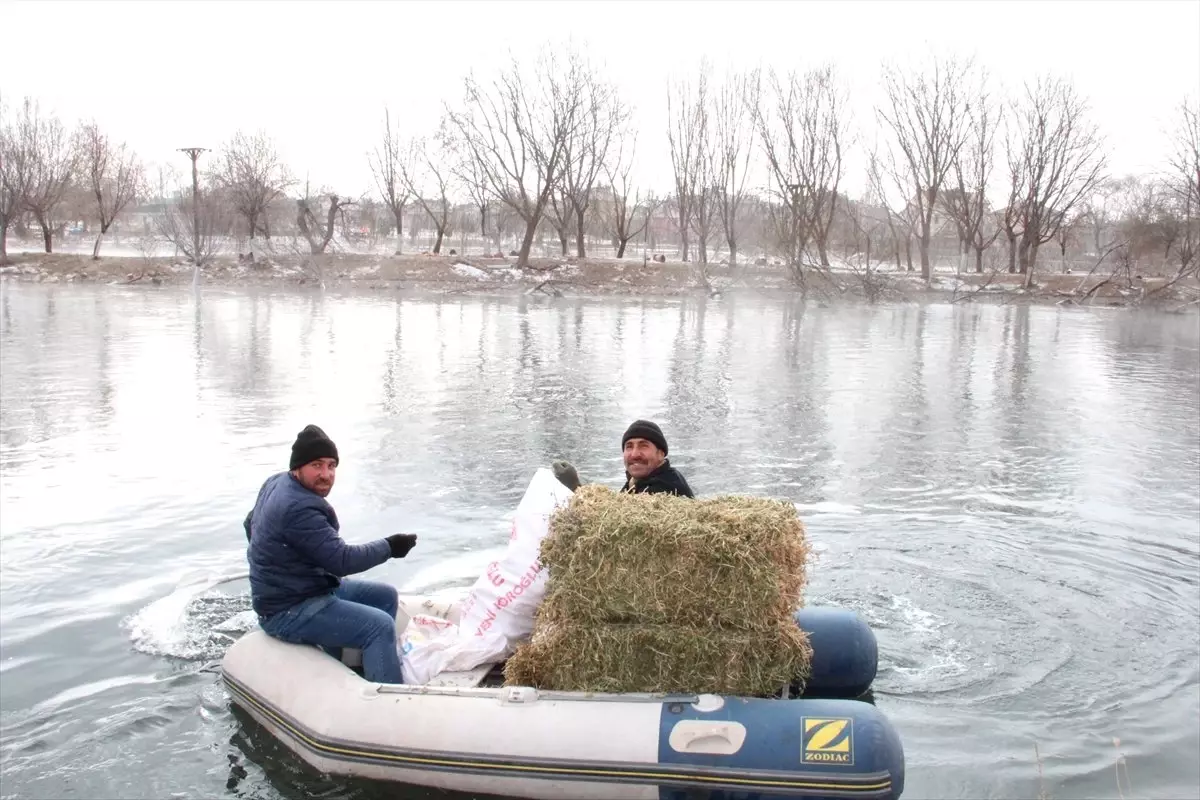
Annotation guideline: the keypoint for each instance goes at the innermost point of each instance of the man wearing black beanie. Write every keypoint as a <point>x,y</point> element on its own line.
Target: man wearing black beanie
<point>647,469</point>
<point>298,560</point>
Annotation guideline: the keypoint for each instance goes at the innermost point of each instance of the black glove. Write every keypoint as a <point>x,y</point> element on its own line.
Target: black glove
<point>566,474</point>
<point>401,543</point>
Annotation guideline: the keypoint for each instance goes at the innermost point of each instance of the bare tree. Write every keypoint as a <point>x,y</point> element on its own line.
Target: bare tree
<point>602,119</point>
<point>687,125</point>
<point>252,176</point>
<point>624,224</point>
<point>733,146</point>
<point>114,176</point>
<point>971,174</point>
<point>1140,233</point>
<point>927,115</point>
<point>1162,224</point>
<point>193,224</point>
<point>388,172</point>
<point>559,214</point>
<point>1139,219</point>
<point>425,174</point>
<point>316,231</point>
<point>865,225</point>
<point>802,129</point>
<point>1011,218</point>
<point>518,135</point>
<point>470,176</point>
<point>14,178</point>
<point>1183,181</point>
<point>953,202</point>
<point>1067,235</point>
<point>1057,156</point>
<point>902,222</point>
<point>1184,162</point>
<point>704,200</point>
<point>1101,210</point>
<point>53,160</point>
<point>861,222</point>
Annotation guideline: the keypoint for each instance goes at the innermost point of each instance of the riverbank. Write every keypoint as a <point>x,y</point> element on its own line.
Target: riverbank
<point>580,277</point>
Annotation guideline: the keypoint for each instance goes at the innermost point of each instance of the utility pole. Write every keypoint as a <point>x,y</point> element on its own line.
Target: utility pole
<point>194,153</point>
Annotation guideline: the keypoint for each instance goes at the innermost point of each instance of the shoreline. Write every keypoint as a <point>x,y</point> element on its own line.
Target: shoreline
<point>591,278</point>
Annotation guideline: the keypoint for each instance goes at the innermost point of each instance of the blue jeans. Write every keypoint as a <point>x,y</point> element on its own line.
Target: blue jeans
<point>358,614</point>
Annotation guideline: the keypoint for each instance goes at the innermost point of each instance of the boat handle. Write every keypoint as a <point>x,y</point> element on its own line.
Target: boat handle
<point>694,736</point>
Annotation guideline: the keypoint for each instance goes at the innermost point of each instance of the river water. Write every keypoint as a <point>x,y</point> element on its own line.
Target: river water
<point>1010,495</point>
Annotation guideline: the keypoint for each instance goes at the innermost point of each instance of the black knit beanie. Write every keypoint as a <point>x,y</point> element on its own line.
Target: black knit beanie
<point>311,444</point>
<point>644,429</point>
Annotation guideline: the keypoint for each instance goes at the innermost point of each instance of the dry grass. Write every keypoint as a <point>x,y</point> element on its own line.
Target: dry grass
<point>736,562</point>
<point>661,593</point>
<point>661,658</point>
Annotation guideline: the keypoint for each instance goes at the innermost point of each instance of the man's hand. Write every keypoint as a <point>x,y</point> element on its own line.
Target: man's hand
<point>566,474</point>
<point>401,543</point>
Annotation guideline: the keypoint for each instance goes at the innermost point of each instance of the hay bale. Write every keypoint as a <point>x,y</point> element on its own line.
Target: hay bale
<point>657,593</point>
<point>736,562</point>
<point>661,658</point>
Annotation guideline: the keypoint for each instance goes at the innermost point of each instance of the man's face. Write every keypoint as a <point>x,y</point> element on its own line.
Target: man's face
<point>318,476</point>
<point>642,457</point>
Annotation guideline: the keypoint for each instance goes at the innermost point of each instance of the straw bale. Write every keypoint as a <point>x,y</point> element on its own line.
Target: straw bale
<point>661,658</point>
<point>657,593</point>
<point>658,559</point>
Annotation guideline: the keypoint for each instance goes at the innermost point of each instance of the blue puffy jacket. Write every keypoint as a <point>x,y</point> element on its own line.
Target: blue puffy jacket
<point>295,551</point>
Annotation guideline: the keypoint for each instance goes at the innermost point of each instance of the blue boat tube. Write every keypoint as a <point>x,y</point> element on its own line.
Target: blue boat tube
<point>845,654</point>
<point>808,748</point>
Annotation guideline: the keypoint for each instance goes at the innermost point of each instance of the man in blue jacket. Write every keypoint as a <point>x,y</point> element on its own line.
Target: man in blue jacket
<point>298,560</point>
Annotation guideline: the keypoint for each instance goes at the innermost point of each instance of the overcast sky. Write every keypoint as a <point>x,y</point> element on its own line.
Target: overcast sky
<point>316,76</point>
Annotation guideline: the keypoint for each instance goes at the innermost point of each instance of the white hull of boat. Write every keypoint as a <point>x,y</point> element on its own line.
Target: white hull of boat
<point>521,742</point>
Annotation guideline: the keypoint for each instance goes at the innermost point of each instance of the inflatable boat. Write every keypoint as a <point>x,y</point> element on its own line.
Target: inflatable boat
<point>467,732</point>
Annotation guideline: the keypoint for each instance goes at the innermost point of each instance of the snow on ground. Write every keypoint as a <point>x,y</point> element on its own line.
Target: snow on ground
<point>467,271</point>
<point>949,284</point>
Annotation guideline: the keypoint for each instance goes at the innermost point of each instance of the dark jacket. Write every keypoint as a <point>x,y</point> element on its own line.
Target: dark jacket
<point>295,551</point>
<point>664,480</point>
